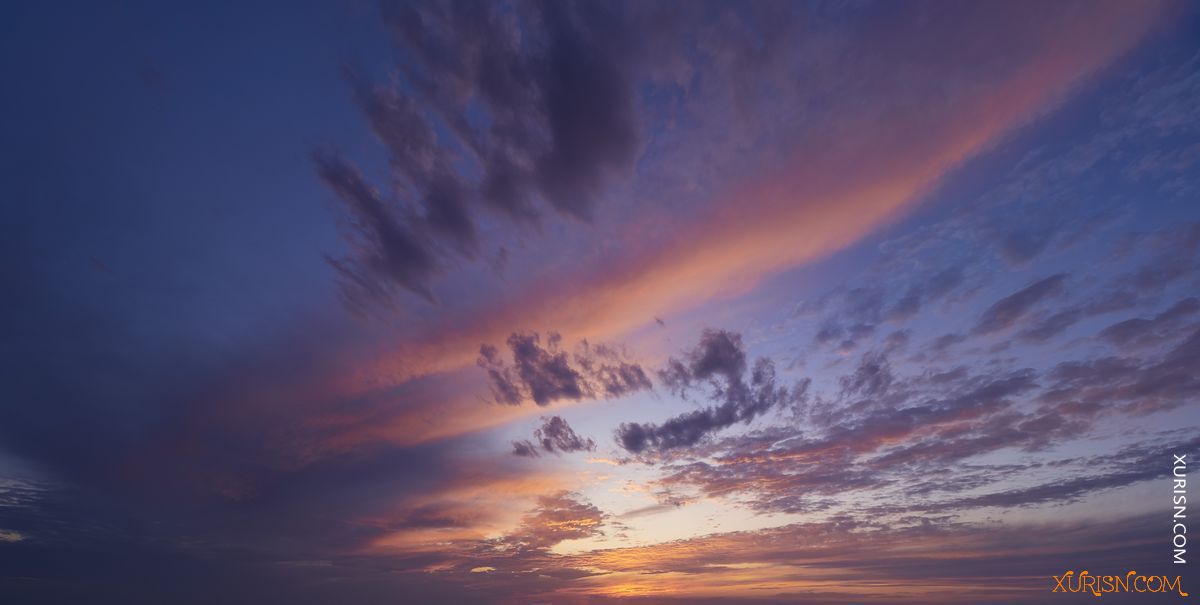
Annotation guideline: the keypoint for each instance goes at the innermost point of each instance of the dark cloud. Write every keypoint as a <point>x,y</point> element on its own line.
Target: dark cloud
<point>945,341</point>
<point>1136,385</point>
<point>554,436</point>
<point>860,310</point>
<point>546,373</point>
<point>897,340</point>
<point>720,354</point>
<point>883,431</point>
<point>858,314</point>
<point>863,305</point>
<point>1058,322</point>
<point>1141,333</point>
<point>497,108</point>
<point>1006,311</point>
<point>506,386</point>
<point>871,378</point>
<point>1021,245</point>
<point>1133,464</point>
<point>525,448</point>
<point>424,176</point>
<point>944,282</point>
<point>1052,325</point>
<point>720,362</point>
<point>844,337</point>
<point>390,253</point>
<point>935,288</point>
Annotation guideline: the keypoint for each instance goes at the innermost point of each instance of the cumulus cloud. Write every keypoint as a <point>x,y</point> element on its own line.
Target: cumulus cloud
<point>719,361</point>
<point>546,373</point>
<point>554,436</point>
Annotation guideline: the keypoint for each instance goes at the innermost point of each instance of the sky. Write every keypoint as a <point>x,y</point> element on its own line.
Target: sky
<point>637,302</point>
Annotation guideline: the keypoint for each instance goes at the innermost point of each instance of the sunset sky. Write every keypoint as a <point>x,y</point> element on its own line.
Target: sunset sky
<point>682,302</point>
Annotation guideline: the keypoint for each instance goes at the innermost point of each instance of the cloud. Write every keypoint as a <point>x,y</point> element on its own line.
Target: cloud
<point>858,311</point>
<point>907,306</point>
<point>558,517</point>
<point>886,433</point>
<point>871,378</point>
<point>494,110</point>
<point>554,436</point>
<point>609,372</point>
<point>390,252</point>
<point>1132,465</point>
<point>1006,311</point>
<point>1138,333</point>
<point>425,177</point>
<point>546,374</point>
<point>824,561</point>
<point>262,453</point>
<point>942,343</point>
<point>752,229</point>
<point>1019,246</point>
<point>526,449</point>
<point>1110,301</point>
<point>719,360</point>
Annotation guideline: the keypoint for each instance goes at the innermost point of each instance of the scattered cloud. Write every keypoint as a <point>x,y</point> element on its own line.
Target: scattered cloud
<point>546,373</point>
<point>554,436</point>
<point>719,361</point>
